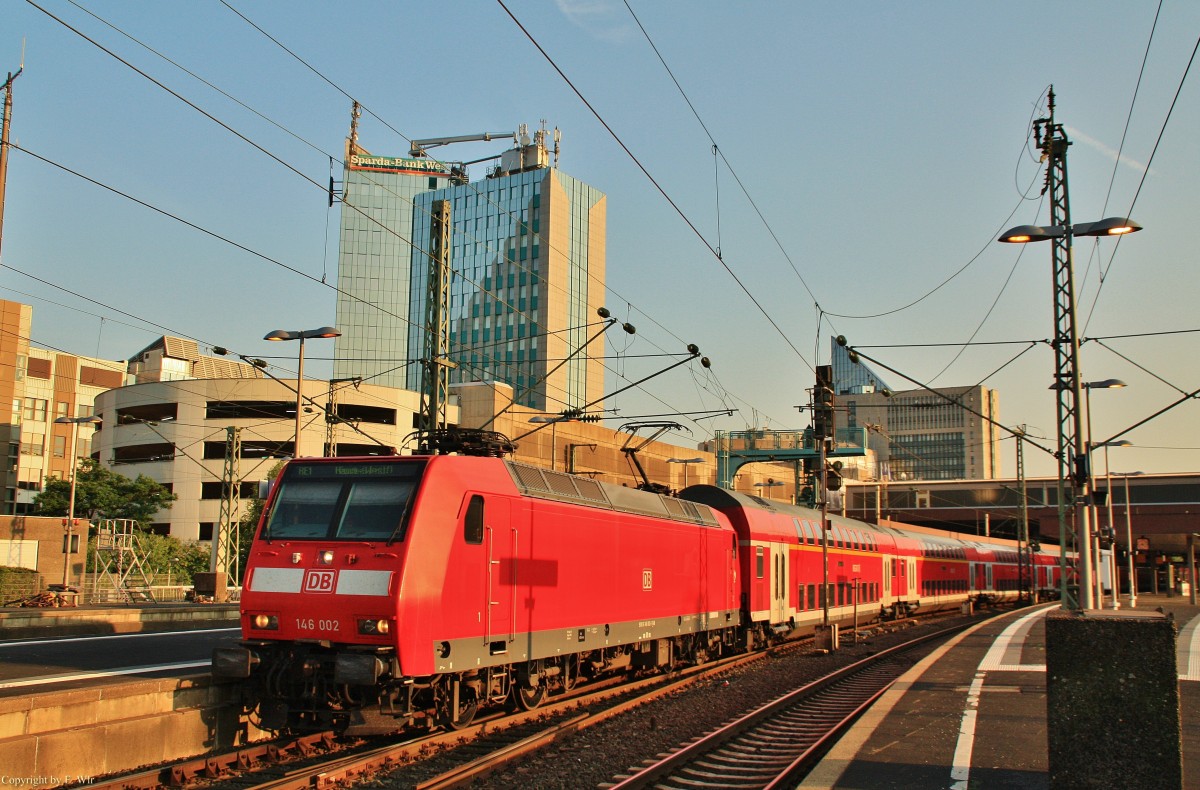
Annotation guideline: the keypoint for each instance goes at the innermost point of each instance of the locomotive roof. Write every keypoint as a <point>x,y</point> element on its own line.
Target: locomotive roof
<point>534,481</point>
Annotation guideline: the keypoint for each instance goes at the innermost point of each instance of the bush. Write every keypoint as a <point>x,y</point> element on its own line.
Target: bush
<point>17,583</point>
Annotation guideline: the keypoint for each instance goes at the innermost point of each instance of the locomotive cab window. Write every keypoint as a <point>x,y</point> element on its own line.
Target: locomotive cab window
<point>318,501</point>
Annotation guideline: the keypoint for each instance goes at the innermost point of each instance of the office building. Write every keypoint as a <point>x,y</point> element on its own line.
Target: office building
<point>947,433</point>
<point>43,385</point>
<point>178,432</point>
<point>527,256</point>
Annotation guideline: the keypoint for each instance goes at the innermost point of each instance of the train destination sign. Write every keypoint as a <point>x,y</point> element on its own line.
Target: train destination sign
<point>366,469</point>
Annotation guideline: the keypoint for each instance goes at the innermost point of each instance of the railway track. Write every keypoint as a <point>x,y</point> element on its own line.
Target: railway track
<point>430,761</point>
<point>320,759</point>
<point>777,744</point>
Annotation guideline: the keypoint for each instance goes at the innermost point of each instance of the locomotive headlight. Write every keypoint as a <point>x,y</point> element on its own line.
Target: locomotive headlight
<point>266,622</point>
<point>325,557</point>
<point>378,627</point>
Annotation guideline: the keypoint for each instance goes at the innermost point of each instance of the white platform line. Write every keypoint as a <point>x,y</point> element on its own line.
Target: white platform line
<point>1016,632</point>
<point>1187,651</point>
<point>138,635</point>
<point>960,768</point>
<point>106,673</point>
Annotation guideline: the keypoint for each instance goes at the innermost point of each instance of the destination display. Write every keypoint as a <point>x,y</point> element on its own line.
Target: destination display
<point>367,469</point>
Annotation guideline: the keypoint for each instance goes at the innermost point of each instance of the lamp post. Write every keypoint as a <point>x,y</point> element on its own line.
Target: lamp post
<point>301,335</point>
<point>553,422</point>
<point>686,463</point>
<point>1110,526</point>
<point>1129,540</point>
<point>769,485</point>
<point>74,422</point>
<point>1073,466</point>
<point>1093,512</point>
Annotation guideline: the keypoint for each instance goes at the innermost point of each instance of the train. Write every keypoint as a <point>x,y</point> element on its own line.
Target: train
<point>428,587</point>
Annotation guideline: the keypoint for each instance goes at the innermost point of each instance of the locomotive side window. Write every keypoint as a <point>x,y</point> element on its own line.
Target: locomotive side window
<point>758,562</point>
<point>473,522</point>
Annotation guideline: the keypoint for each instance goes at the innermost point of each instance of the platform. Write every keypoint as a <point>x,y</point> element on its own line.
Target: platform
<point>90,620</point>
<point>973,713</point>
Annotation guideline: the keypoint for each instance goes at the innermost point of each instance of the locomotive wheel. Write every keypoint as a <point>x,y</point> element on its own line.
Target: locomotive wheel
<point>530,686</point>
<point>447,716</point>
<point>570,673</point>
<point>530,698</point>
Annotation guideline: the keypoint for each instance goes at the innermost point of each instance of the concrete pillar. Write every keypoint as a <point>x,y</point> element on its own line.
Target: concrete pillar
<point>1112,700</point>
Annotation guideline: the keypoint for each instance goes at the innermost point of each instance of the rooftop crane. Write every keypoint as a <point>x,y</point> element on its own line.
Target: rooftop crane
<point>420,147</point>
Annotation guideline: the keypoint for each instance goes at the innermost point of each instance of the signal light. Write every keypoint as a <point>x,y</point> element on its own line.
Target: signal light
<point>266,622</point>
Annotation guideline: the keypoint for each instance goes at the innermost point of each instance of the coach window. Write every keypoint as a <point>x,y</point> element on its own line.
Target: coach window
<point>473,523</point>
<point>758,562</point>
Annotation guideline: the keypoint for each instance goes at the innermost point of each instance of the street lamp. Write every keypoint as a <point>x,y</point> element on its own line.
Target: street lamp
<point>1066,348</point>
<point>1073,473</point>
<point>769,485</point>
<point>74,422</point>
<point>1112,530</point>
<point>553,423</point>
<point>301,335</point>
<point>1129,540</point>
<point>1088,386</point>
<point>686,463</point>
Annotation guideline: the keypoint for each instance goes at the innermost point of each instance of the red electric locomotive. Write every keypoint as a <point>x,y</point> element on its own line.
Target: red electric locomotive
<point>432,585</point>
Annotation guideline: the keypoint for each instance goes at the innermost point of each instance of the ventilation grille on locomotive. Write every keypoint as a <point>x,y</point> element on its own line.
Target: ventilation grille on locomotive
<point>546,484</point>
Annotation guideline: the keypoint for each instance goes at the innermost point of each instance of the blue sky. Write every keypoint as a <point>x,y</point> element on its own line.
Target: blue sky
<point>885,145</point>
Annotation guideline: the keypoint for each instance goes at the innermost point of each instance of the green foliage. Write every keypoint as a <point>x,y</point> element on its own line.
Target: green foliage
<point>248,524</point>
<point>102,493</point>
<point>17,583</point>
<point>166,557</point>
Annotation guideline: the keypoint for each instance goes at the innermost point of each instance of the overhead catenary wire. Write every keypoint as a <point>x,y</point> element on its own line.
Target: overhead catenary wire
<point>224,93</point>
<point>1149,161</point>
<point>661,190</point>
<point>345,93</point>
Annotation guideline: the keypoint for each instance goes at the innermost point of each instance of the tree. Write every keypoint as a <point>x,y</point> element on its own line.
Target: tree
<point>248,523</point>
<point>102,493</point>
<point>170,556</point>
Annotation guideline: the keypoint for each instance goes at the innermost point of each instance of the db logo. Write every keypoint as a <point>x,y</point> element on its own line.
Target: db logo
<point>320,581</point>
<point>647,579</point>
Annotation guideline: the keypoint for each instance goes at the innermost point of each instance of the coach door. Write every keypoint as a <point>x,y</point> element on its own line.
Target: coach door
<point>779,583</point>
<point>501,572</point>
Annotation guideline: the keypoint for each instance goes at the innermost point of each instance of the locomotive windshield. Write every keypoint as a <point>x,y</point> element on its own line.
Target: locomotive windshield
<point>346,501</point>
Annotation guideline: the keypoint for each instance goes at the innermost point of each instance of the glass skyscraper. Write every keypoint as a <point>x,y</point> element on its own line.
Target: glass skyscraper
<point>374,264</point>
<point>850,377</point>
<point>527,261</point>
